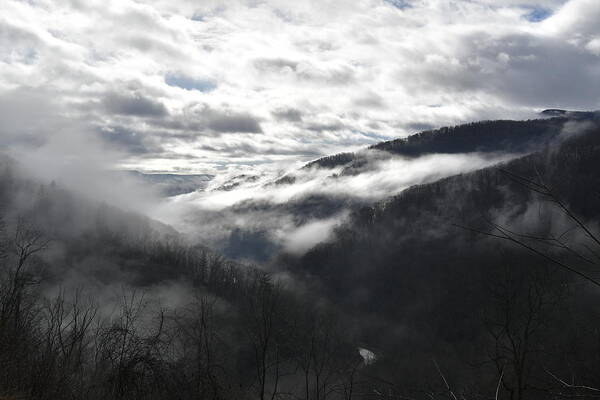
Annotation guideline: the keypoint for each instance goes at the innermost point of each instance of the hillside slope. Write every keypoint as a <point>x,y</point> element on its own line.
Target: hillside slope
<point>423,270</point>
<point>332,186</point>
<point>485,137</point>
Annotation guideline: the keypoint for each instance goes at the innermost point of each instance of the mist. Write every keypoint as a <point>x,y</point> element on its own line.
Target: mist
<point>272,213</point>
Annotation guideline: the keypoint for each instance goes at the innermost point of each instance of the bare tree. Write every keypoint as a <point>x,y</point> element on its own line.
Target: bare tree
<point>27,241</point>
<point>521,311</point>
<point>18,304</point>
<point>545,246</point>
<point>131,348</point>
<point>197,337</point>
<point>521,317</point>
<point>262,316</point>
<point>61,364</point>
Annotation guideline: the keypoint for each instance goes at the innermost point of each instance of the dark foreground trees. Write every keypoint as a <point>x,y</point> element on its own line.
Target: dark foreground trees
<point>240,334</point>
<point>236,334</point>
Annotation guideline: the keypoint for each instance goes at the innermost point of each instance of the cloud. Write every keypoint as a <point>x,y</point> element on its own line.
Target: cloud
<point>28,117</point>
<point>234,123</point>
<point>575,18</point>
<point>275,65</point>
<point>192,79</point>
<point>572,129</point>
<point>325,126</point>
<point>306,71</point>
<point>49,144</point>
<point>287,114</point>
<point>370,100</point>
<point>251,216</point>
<point>125,139</point>
<point>302,239</point>
<point>133,104</point>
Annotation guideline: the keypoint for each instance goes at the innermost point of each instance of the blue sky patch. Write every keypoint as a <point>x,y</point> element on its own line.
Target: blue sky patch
<point>185,82</point>
<point>401,4</point>
<point>538,14</point>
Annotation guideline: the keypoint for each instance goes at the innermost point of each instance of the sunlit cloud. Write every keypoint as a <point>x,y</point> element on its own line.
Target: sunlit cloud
<point>205,87</point>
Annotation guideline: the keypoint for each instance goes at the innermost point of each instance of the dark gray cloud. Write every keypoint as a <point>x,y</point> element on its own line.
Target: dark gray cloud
<point>234,122</point>
<point>325,126</point>
<point>131,141</point>
<point>543,73</point>
<point>249,149</point>
<point>205,120</point>
<point>133,104</point>
<point>287,114</point>
<point>370,100</point>
<point>534,71</point>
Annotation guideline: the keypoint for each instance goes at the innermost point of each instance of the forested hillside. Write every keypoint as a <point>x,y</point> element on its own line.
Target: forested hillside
<point>481,275</point>
<point>485,136</point>
<point>329,187</point>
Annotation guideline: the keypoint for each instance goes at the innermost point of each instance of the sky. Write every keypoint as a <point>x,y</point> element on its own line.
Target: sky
<point>213,86</point>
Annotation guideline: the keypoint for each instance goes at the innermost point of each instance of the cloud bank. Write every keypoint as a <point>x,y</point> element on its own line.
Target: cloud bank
<point>212,86</point>
<point>254,216</point>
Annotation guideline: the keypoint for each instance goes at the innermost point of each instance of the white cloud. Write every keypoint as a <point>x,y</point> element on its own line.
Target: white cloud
<point>305,237</point>
<point>281,215</point>
<point>386,176</point>
<point>205,86</point>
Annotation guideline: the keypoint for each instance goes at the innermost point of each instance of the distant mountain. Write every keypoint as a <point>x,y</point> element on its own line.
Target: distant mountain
<point>553,112</point>
<point>236,181</point>
<point>485,136</point>
<point>173,184</point>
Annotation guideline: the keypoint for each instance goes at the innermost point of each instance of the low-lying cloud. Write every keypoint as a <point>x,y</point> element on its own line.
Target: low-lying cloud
<point>310,234</point>
<point>294,215</point>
